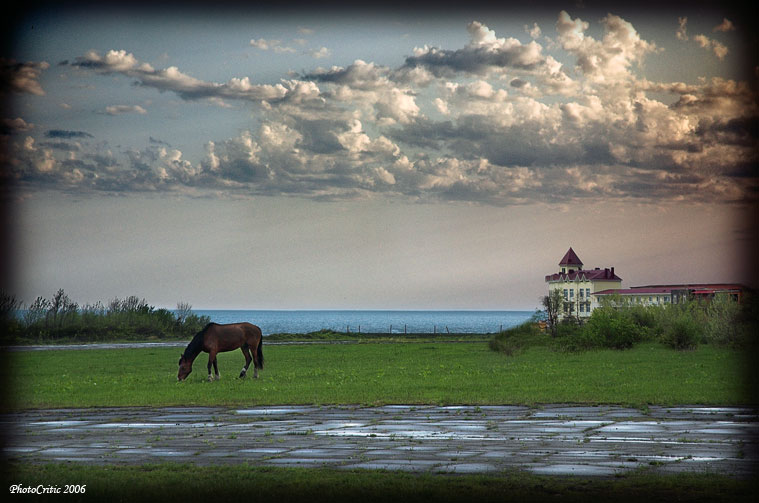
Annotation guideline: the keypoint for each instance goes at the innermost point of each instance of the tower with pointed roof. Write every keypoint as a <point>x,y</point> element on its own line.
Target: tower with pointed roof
<point>570,262</point>
<point>578,286</point>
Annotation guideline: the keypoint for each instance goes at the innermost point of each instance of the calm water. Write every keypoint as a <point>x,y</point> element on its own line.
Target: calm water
<point>299,322</point>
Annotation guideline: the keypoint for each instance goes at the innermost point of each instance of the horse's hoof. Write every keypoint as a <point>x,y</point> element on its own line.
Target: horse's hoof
<point>242,375</point>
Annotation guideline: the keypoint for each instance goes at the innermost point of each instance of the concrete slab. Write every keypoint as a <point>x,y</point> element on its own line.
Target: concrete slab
<point>551,439</point>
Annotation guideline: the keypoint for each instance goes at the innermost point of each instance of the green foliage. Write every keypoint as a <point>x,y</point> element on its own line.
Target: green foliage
<point>552,304</point>
<point>723,322</point>
<point>60,319</point>
<point>613,328</point>
<point>510,342</point>
<point>720,321</point>
<point>682,332</point>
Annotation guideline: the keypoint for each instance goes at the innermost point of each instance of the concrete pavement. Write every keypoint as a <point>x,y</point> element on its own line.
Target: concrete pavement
<point>549,439</point>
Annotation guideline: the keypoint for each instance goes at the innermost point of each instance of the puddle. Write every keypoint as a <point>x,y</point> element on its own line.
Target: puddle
<point>273,411</point>
<point>584,470</point>
<point>467,468</point>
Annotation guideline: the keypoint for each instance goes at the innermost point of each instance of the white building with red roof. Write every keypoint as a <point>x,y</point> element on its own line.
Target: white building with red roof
<point>578,286</point>
<point>583,289</point>
<point>665,294</point>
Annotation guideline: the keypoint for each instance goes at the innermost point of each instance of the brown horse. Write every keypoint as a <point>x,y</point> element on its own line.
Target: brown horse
<point>215,338</point>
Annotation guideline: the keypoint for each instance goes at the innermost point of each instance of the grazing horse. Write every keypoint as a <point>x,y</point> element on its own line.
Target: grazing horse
<point>215,338</point>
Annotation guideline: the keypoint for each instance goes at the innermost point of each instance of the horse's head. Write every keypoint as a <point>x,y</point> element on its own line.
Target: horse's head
<point>185,367</point>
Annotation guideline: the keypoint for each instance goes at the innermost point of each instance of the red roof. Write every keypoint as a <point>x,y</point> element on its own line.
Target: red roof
<point>635,291</point>
<point>571,258</point>
<point>667,289</point>
<point>594,274</point>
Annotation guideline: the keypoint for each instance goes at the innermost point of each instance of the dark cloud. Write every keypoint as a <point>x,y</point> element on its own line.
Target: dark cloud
<point>68,135</point>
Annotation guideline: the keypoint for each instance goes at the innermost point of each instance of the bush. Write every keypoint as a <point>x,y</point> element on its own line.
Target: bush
<point>607,327</point>
<point>684,332</point>
<point>723,326</point>
<point>513,340</point>
<point>61,319</point>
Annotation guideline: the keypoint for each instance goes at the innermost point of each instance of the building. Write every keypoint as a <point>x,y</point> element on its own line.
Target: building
<point>583,290</point>
<point>656,295</point>
<point>578,286</point>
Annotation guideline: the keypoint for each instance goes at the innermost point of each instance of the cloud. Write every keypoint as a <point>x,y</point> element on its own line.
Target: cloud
<point>320,53</point>
<point>724,26</point>
<point>495,121</point>
<point>21,77</point>
<point>125,109</point>
<point>719,49</point>
<point>17,125</point>
<point>172,79</point>
<point>682,29</point>
<point>485,53</point>
<point>273,45</point>
<point>67,135</point>
<point>606,60</point>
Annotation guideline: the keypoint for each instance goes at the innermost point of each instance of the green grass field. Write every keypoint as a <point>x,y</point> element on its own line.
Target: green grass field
<point>370,374</point>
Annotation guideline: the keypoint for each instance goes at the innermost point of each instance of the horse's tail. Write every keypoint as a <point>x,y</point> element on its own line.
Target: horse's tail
<point>260,354</point>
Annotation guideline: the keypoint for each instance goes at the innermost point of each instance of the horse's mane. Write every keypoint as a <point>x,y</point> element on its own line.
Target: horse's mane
<point>196,344</point>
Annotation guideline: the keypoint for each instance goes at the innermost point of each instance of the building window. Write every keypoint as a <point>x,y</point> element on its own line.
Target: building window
<point>565,294</point>
<point>587,292</point>
<point>572,293</point>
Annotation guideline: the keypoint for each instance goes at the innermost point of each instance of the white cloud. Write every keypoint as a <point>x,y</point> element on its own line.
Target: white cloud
<point>496,121</point>
<point>125,109</point>
<point>17,125</point>
<point>719,49</point>
<point>724,26</point>
<point>320,53</point>
<point>606,60</point>
<point>22,77</point>
<point>271,45</point>
<point>682,29</point>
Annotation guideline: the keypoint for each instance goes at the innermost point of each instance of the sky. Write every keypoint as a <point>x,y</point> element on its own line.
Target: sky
<point>374,158</point>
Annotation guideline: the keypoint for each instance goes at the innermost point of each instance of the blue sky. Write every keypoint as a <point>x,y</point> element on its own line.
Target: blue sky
<point>376,158</point>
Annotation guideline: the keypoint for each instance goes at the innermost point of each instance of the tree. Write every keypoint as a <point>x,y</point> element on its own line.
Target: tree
<point>553,303</point>
<point>184,310</point>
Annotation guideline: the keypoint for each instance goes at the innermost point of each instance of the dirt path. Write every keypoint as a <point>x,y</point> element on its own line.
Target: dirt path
<point>551,439</point>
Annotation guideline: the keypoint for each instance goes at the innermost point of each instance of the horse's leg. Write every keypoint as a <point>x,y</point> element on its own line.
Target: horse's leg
<point>216,368</point>
<point>211,361</point>
<point>248,359</point>
<point>256,363</point>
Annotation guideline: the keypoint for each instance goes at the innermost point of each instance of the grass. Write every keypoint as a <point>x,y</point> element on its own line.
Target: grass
<point>186,483</point>
<point>373,374</point>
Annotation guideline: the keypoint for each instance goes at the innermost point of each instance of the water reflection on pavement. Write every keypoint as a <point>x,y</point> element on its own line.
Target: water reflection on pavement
<point>548,439</point>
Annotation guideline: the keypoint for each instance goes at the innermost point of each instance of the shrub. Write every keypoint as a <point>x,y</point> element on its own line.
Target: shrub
<point>62,319</point>
<point>684,332</point>
<point>513,340</point>
<point>612,328</point>
<point>723,326</point>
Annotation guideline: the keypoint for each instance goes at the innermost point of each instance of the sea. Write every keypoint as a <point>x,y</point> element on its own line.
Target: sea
<point>396,322</point>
